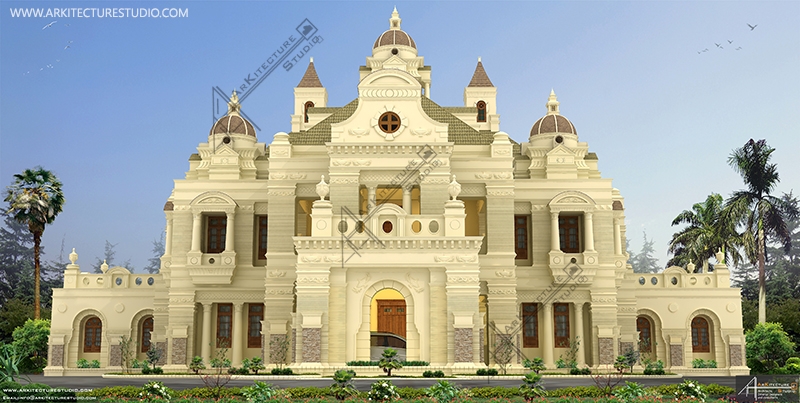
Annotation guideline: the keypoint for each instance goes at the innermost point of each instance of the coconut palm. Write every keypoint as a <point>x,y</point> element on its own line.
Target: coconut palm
<point>762,214</point>
<point>35,198</point>
<point>707,232</point>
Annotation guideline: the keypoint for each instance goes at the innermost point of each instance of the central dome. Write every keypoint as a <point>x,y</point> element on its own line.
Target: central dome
<point>394,36</point>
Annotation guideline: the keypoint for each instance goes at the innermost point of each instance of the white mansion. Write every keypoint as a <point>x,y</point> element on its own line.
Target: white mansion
<point>393,220</point>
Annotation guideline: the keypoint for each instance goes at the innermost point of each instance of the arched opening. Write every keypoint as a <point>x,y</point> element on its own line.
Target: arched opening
<point>481,111</point>
<point>701,335</point>
<point>388,323</point>
<point>146,334</point>
<point>308,105</point>
<point>92,335</point>
<point>645,329</point>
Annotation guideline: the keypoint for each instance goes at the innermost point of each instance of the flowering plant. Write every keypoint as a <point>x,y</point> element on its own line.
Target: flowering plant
<point>155,391</point>
<point>383,391</point>
<point>690,389</point>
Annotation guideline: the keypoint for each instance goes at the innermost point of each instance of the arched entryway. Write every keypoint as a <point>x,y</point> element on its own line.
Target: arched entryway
<point>388,319</point>
<point>397,305</point>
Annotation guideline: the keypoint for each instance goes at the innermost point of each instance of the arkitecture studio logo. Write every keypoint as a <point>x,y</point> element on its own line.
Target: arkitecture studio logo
<point>287,55</point>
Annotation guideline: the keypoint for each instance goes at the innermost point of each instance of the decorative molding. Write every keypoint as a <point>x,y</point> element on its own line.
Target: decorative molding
<point>502,291</point>
<point>283,175</point>
<point>213,200</point>
<point>428,180</point>
<point>178,300</point>
<point>276,273</point>
<point>311,258</point>
<point>387,149</point>
<point>502,151</point>
<point>546,296</point>
<point>221,296</point>
<point>388,93</point>
<point>414,283</point>
<point>279,152</point>
<point>361,284</point>
<point>358,132</point>
<point>421,131</point>
<point>494,175</point>
<point>504,273</point>
<point>306,190</point>
<point>463,279</point>
<point>349,162</point>
<point>612,300</point>
<point>631,309</point>
<point>275,192</point>
<point>467,258</point>
<point>302,279</point>
<point>403,120</point>
<point>499,192</point>
<point>344,180</point>
<point>472,189</point>
<point>445,258</point>
<point>333,258</point>
<point>572,199</point>
<point>281,291</point>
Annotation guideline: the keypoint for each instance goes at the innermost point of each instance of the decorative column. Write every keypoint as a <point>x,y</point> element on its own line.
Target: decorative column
<point>617,237</point>
<point>407,199</point>
<point>587,224</point>
<point>370,198</point>
<point>197,228</point>
<point>555,244</point>
<point>168,236</point>
<point>579,333</point>
<point>547,335</point>
<point>205,344</point>
<point>229,231</point>
<point>238,323</point>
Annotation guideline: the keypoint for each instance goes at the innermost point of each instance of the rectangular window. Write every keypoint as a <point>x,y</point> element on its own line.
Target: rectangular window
<point>255,313</point>
<point>262,237</point>
<point>521,236</point>
<point>530,325</point>
<point>224,319</point>
<point>569,234</point>
<point>561,319</point>
<point>215,233</point>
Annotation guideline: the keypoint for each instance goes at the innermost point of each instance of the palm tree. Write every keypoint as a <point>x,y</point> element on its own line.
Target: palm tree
<point>707,233</point>
<point>35,198</point>
<point>762,214</point>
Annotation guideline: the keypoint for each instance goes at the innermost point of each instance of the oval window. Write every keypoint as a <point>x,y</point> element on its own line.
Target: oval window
<point>138,281</point>
<point>674,281</point>
<point>433,227</point>
<point>387,226</point>
<point>118,281</point>
<point>342,226</point>
<point>641,280</point>
<point>416,226</point>
<point>654,280</point>
<point>360,226</point>
<point>150,281</point>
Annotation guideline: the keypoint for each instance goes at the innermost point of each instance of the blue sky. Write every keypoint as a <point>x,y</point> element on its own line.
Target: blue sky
<point>120,111</point>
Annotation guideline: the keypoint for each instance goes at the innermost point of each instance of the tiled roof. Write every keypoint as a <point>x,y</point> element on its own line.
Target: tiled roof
<point>461,109</point>
<point>457,131</point>
<point>394,37</point>
<point>320,133</point>
<point>310,79</point>
<point>479,78</point>
<point>553,124</point>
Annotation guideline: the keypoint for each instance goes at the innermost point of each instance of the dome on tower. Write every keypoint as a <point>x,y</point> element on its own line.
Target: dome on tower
<point>233,123</point>
<point>394,36</point>
<point>553,122</point>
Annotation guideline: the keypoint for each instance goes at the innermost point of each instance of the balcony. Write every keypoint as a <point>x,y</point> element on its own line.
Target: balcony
<point>211,268</point>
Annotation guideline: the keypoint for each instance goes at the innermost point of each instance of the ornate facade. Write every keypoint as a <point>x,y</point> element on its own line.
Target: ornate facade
<point>393,217</point>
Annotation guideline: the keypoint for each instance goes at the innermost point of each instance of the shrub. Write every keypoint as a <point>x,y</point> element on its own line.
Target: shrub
<point>155,391</point>
<point>536,365</point>
<point>253,365</point>
<point>9,363</point>
<point>481,372</point>
<point>768,344</point>
<point>238,371</point>
<point>114,392</point>
<point>580,371</point>
<point>444,391</point>
<point>383,391</point>
<point>690,389</point>
<point>491,372</point>
<point>793,360</point>
<point>389,361</point>
<point>577,391</point>
<point>375,363</point>
<point>631,391</point>
<point>718,390</point>
<point>411,393</point>
<point>343,387</point>
<point>435,374</point>
<point>260,392</point>
<point>196,365</point>
<point>209,393</point>
<point>531,387</point>
<point>560,363</point>
<point>30,342</point>
<point>620,363</point>
<point>281,371</point>
<point>496,392</point>
<point>306,392</point>
<point>654,368</point>
<point>701,363</point>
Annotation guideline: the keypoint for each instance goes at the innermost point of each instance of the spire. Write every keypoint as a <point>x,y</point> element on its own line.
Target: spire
<point>479,78</point>
<point>552,104</point>
<point>394,22</point>
<point>310,79</point>
<point>233,105</point>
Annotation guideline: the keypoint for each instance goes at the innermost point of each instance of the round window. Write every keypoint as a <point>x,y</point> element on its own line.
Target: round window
<point>416,226</point>
<point>394,51</point>
<point>150,281</point>
<point>433,227</point>
<point>559,139</point>
<point>387,226</point>
<point>389,122</point>
<point>674,281</point>
<point>654,280</point>
<point>118,280</point>
<point>138,281</point>
<point>360,227</point>
<point>641,280</point>
<point>342,226</point>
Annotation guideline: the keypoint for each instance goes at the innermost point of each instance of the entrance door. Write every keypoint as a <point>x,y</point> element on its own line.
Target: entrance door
<point>392,316</point>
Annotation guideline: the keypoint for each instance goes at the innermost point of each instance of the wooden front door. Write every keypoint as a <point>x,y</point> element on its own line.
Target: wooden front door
<point>392,316</point>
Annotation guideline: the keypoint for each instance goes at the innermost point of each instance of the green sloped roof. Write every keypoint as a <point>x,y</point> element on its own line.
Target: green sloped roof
<point>321,132</point>
<point>458,132</point>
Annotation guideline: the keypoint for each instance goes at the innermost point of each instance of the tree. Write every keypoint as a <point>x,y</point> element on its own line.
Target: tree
<point>767,346</point>
<point>108,258</point>
<point>30,341</point>
<point>16,253</point>
<point>644,261</point>
<point>154,263</point>
<point>35,198</point>
<point>762,214</point>
<point>707,232</point>
<point>389,361</point>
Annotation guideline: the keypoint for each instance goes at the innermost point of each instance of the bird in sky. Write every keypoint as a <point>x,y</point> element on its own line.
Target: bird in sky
<point>730,41</point>
<point>752,27</point>
<point>717,45</point>
<point>66,25</point>
<point>49,25</point>
<point>705,50</point>
<point>66,47</point>
<point>739,48</point>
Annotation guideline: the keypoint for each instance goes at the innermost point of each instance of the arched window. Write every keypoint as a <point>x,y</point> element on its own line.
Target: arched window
<point>645,334</point>
<point>147,333</point>
<point>700,342</point>
<point>92,335</point>
<point>308,105</point>
<point>481,111</point>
